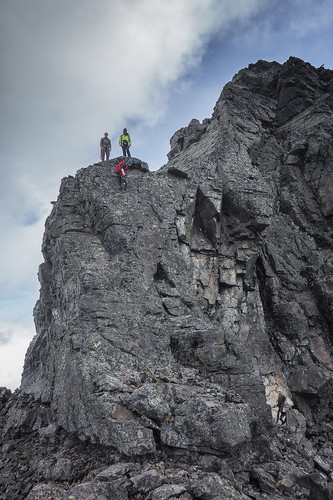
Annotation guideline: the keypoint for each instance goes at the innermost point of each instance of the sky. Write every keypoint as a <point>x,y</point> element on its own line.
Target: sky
<point>71,70</point>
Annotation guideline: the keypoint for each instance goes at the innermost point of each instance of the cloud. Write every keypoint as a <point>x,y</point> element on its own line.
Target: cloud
<point>20,253</point>
<point>14,341</point>
<point>77,68</point>
<point>22,216</point>
<point>292,23</point>
<point>311,17</point>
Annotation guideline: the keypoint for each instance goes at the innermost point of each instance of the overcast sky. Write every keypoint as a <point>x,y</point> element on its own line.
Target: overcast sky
<point>73,69</point>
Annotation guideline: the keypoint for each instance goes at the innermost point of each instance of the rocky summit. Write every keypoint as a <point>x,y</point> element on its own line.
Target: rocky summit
<point>183,344</point>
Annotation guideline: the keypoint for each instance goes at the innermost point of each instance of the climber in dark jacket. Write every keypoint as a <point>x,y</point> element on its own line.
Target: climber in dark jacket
<point>121,170</point>
<point>105,145</point>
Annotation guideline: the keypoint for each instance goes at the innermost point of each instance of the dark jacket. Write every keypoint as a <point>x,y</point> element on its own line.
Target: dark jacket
<point>105,143</point>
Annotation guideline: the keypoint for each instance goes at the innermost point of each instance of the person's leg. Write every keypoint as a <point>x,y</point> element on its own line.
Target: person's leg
<point>123,182</point>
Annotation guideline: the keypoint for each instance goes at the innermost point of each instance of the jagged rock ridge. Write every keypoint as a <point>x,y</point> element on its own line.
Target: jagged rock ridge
<point>188,321</point>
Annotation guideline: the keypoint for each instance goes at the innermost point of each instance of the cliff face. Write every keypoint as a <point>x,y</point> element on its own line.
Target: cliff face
<point>189,319</point>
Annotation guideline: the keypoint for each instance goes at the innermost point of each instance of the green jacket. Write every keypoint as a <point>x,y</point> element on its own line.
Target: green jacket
<point>125,137</point>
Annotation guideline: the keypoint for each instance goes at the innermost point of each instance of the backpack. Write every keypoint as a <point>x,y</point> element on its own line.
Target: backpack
<point>118,167</point>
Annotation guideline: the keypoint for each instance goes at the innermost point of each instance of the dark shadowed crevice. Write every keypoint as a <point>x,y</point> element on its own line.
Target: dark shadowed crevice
<point>205,217</point>
<point>162,275</point>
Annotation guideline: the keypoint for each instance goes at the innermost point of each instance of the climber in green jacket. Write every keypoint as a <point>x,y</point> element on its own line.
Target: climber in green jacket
<point>125,142</point>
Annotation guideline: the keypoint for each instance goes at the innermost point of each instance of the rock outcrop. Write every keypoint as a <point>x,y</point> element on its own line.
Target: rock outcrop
<point>184,327</point>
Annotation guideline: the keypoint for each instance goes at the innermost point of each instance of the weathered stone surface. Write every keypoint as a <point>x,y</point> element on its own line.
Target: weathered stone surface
<point>168,491</point>
<point>114,472</point>
<point>5,395</point>
<point>146,481</point>
<point>184,328</point>
<point>91,491</point>
<point>183,414</point>
<point>213,487</point>
<point>186,136</point>
<point>42,491</point>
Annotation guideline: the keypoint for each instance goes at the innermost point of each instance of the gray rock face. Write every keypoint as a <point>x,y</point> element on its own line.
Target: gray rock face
<point>191,316</point>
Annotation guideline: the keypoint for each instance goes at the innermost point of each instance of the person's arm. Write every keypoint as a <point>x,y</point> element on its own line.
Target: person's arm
<point>120,138</point>
<point>129,140</point>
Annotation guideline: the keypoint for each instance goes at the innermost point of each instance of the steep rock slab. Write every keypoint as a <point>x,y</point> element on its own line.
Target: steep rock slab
<point>108,326</point>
